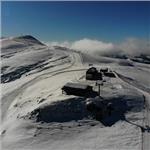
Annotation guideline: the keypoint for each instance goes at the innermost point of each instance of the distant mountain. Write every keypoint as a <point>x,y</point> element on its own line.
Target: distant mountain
<point>19,42</point>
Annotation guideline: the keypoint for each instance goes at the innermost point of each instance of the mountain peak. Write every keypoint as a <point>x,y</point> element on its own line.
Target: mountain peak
<point>28,38</point>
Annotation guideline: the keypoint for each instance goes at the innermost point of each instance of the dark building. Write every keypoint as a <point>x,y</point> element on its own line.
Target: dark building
<point>77,89</point>
<point>104,70</point>
<point>93,74</point>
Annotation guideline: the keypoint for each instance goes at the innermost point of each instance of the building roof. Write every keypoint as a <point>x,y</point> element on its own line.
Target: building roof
<point>76,85</point>
<point>104,69</point>
<point>92,70</point>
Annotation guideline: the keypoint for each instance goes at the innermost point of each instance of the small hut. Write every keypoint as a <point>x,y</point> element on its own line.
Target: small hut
<point>93,74</point>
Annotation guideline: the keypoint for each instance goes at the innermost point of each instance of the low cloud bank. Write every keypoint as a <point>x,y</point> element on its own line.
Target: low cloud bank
<point>91,45</point>
<point>131,46</point>
<point>134,46</point>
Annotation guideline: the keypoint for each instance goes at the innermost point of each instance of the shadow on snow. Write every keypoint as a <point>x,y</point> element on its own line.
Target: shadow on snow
<point>75,109</point>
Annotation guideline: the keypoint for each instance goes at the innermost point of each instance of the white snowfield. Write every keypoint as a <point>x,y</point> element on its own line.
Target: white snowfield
<point>36,115</point>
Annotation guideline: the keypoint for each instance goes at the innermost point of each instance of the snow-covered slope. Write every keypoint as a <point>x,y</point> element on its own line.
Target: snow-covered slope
<point>37,115</point>
<point>22,55</point>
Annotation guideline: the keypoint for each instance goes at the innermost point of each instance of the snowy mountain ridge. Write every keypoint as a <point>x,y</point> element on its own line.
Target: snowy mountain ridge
<point>37,115</point>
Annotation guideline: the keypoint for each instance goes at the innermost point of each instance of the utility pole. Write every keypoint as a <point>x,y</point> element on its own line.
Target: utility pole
<point>99,91</point>
<point>99,83</point>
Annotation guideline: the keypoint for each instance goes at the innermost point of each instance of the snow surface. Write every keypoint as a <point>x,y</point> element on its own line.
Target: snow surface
<point>36,115</point>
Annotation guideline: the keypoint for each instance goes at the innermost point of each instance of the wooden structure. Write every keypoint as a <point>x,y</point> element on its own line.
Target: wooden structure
<point>77,89</point>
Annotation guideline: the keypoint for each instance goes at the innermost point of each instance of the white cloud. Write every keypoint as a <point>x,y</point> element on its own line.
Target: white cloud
<point>85,45</point>
<point>91,45</point>
<point>63,44</point>
<point>131,46</point>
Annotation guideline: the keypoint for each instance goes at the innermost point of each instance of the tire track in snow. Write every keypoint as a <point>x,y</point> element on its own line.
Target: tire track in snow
<point>8,99</point>
<point>145,92</point>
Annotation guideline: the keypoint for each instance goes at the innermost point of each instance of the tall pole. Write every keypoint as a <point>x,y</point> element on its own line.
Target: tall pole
<point>99,83</point>
<point>99,89</point>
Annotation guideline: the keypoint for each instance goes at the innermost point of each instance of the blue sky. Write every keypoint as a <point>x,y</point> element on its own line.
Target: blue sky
<point>60,21</point>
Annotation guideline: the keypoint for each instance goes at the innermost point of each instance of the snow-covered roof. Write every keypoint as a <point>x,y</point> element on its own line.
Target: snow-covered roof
<point>76,85</point>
